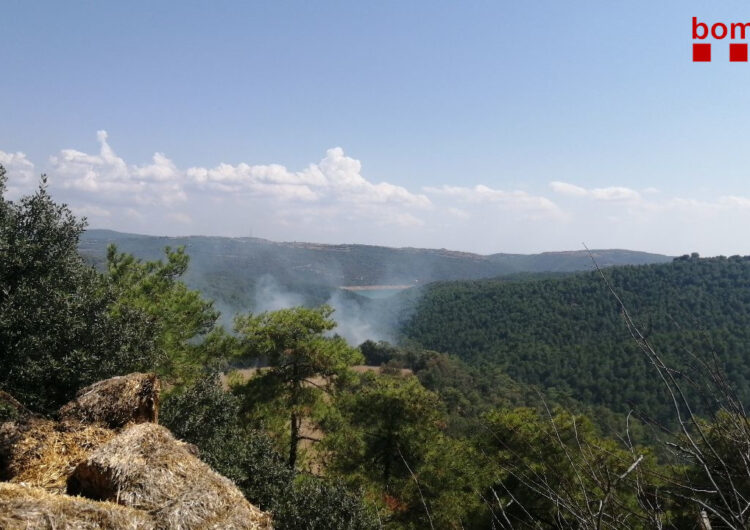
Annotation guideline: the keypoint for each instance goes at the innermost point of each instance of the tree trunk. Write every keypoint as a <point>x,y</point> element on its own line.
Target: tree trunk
<point>293,441</point>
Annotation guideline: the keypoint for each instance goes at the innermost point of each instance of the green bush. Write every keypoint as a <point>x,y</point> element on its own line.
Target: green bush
<point>57,333</point>
<point>207,416</point>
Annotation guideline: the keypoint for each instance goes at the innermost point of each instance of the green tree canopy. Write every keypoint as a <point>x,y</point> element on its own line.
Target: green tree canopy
<point>185,322</point>
<point>304,365</point>
<point>57,333</point>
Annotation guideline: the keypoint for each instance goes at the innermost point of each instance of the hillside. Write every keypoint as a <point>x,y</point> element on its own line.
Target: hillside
<point>228,269</point>
<point>568,334</point>
<point>317,443</point>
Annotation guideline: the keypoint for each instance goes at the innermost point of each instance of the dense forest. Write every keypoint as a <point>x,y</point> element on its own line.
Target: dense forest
<point>568,334</point>
<point>489,414</point>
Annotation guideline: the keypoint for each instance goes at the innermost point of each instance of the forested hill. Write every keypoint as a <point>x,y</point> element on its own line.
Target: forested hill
<point>568,333</point>
<point>239,260</point>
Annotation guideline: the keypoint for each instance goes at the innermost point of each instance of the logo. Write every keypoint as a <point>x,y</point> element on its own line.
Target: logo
<point>719,32</point>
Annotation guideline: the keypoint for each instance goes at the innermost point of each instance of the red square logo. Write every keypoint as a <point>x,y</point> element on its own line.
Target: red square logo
<point>701,53</point>
<point>738,53</point>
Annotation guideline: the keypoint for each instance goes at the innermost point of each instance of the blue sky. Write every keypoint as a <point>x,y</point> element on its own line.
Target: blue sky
<point>479,126</point>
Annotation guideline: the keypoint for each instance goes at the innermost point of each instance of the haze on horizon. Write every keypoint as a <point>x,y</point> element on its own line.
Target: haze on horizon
<point>482,128</point>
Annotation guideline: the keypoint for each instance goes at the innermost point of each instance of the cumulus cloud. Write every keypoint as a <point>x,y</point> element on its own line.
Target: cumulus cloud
<point>20,172</point>
<point>90,210</point>
<point>107,175</point>
<point>735,201</point>
<point>334,200</point>
<point>180,217</point>
<point>404,219</point>
<point>612,193</point>
<point>335,177</point>
<point>458,213</point>
<point>565,188</point>
<point>516,200</point>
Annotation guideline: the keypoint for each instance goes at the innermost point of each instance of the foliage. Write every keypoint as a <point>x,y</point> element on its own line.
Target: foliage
<point>182,317</point>
<point>207,416</point>
<point>57,333</point>
<point>556,471</point>
<point>567,335</point>
<point>314,504</point>
<point>395,419</point>
<point>304,366</point>
<point>392,444</point>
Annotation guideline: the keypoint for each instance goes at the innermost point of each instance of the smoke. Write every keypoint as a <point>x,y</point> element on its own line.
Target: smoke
<point>358,320</point>
<point>271,296</point>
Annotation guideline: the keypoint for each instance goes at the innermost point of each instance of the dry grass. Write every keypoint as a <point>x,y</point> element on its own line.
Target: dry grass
<point>363,368</point>
<point>115,402</point>
<point>25,508</point>
<point>145,468</point>
<point>248,373</point>
<point>43,453</point>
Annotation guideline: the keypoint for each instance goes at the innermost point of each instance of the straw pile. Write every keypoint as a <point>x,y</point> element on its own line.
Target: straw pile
<point>115,402</point>
<point>22,507</point>
<point>144,467</point>
<point>43,453</point>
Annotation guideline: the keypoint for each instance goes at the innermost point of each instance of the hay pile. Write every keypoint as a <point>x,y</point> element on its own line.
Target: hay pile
<point>152,480</point>
<point>44,453</point>
<point>115,402</point>
<point>24,508</point>
<point>144,467</point>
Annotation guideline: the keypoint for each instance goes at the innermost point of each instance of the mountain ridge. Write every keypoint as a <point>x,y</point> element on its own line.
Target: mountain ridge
<point>392,263</point>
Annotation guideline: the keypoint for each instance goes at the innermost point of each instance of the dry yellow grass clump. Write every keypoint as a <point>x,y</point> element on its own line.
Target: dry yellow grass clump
<point>115,402</point>
<point>25,508</point>
<point>44,453</point>
<point>144,467</point>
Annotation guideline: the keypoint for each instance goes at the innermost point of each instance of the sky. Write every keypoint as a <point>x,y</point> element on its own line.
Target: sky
<point>475,126</point>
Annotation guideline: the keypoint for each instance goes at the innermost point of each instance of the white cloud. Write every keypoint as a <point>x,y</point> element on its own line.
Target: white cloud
<point>481,194</point>
<point>180,217</point>
<point>568,189</point>
<point>332,201</point>
<point>134,214</point>
<point>20,173</point>
<point>405,220</point>
<point>335,177</point>
<point>735,201</point>
<point>458,213</point>
<point>109,176</point>
<point>615,193</point>
<point>612,193</point>
<point>90,210</point>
